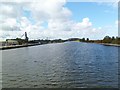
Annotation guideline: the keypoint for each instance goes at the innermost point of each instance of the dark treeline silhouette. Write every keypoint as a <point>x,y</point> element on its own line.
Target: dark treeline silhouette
<point>20,41</point>
<point>106,39</point>
<point>112,40</point>
<point>47,41</point>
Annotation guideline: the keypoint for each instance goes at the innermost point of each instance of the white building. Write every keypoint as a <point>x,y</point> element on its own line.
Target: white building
<point>12,42</point>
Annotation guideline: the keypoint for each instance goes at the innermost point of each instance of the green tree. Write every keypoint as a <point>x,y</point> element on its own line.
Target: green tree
<point>117,40</point>
<point>83,40</point>
<point>113,38</point>
<point>87,39</point>
<point>107,39</point>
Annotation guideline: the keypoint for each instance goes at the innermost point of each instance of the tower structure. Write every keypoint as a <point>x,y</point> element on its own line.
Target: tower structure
<point>26,37</point>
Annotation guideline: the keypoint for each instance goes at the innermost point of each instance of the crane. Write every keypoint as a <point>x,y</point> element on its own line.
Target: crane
<point>22,36</point>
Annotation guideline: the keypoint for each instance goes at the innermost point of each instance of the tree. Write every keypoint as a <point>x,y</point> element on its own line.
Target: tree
<point>83,39</point>
<point>117,40</point>
<point>113,38</point>
<point>87,39</point>
<point>107,39</point>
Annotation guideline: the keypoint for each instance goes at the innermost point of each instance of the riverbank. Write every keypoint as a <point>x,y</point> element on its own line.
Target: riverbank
<point>17,46</point>
<point>20,46</point>
<point>108,44</point>
<point>28,45</point>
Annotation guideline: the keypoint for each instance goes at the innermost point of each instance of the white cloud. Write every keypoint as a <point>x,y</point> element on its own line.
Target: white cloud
<point>9,24</point>
<point>84,25</point>
<point>58,18</point>
<point>48,9</point>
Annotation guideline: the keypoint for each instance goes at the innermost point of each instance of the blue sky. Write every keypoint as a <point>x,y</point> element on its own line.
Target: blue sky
<point>55,19</point>
<point>99,14</point>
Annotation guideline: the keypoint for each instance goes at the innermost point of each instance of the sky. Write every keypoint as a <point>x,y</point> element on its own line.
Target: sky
<point>54,19</point>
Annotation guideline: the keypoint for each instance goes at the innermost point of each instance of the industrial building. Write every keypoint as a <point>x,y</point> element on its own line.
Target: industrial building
<point>17,41</point>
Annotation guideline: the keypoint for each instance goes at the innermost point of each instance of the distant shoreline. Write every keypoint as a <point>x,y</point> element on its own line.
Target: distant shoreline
<point>20,46</point>
<point>108,44</point>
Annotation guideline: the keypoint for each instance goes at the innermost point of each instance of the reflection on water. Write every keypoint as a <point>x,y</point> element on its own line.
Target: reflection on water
<point>70,64</point>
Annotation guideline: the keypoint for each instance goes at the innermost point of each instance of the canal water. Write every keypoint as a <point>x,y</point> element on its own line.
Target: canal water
<point>62,65</point>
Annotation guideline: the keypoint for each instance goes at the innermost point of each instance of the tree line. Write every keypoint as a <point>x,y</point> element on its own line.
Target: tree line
<point>106,39</point>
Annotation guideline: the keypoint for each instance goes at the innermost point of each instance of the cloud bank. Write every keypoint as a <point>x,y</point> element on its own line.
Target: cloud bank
<point>43,19</point>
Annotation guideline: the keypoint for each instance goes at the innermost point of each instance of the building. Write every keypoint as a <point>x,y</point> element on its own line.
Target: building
<point>12,42</point>
<point>17,41</point>
<point>3,43</point>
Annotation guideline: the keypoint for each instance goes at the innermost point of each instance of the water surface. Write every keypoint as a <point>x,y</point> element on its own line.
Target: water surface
<point>69,64</point>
